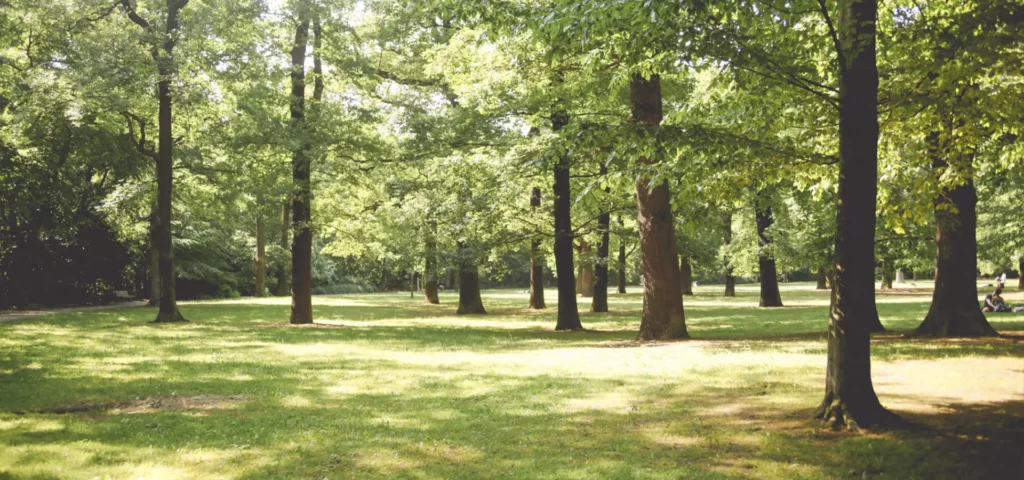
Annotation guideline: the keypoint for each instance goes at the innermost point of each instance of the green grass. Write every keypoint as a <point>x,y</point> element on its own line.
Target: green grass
<point>388,387</point>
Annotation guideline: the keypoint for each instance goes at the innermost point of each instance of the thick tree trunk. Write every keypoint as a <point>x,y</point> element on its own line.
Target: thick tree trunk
<point>822,279</point>
<point>469,285</point>
<point>604,219</point>
<point>663,317</point>
<point>955,311</point>
<point>730,279</point>
<point>302,239</point>
<point>281,289</point>
<point>586,281</point>
<point>685,275</point>
<point>260,289</point>
<point>568,314</point>
<point>536,262</point>
<point>430,269</point>
<point>770,296</point>
<point>850,398</point>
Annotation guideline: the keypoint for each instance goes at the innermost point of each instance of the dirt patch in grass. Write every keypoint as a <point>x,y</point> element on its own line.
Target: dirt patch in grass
<point>152,404</point>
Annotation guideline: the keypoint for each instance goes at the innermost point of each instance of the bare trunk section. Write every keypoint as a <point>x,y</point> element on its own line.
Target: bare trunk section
<point>470,302</point>
<point>536,262</point>
<point>850,398</point>
<point>430,269</point>
<point>663,317</point>
<point>730,279</point>
<point>261,257</point>
<point>281,289</point>
<point>821,278</point>
<point>622,260</point>
<point>1020,273</point>
<point>568,313</point>
<point>302,239</point>
<point>685,275</point>
<point>604,219</point>
<point>954,310</point>
<point>770,296</point>
<point>586,281</point>
<point>154,277</point>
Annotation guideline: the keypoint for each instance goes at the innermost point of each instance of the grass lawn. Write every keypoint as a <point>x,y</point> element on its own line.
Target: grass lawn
<point>385,386</point>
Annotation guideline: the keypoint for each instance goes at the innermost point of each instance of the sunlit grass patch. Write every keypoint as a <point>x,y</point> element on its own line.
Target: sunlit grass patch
<point>387,386</point>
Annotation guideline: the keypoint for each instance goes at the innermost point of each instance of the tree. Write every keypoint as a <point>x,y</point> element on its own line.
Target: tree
<point>536,262</point>
<point>162,50</point>
<point>770,296</point>
<point>850,397</point>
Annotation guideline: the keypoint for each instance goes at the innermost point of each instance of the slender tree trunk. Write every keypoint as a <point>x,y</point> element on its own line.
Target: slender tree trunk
<point>430,269</point>
<point>1020,274</point>
<point>154,277</point>
<point>587,274</point>
<point>663,317</point>
<point>302,240</point>
<point>165,168</point>
<point>730,279</point>
<point>536,262</point>
<point>412,284</point>
<point>685,275</point>
<point>281,289</point>
<point>568,314</point>
<point>261,257</point>
<point>469,285</point>
<point>604,219</point>
<point>822,280</point>
<point>850,398</point>
<point>621,274</point>
<point>954,310</point>
<point>886,275</point>
<point>770,296</point>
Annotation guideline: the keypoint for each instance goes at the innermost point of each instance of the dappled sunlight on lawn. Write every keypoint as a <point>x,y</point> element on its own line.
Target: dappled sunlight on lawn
<point>388,386</point>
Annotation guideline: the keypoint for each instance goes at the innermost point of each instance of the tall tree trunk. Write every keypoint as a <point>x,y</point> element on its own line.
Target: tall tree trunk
<point>604,219</point>
<point>302,240</point>
<point>536,261</point>
<point>261,257</point>
<point>850,398</point>
<point>430,269</point>
<point>730,279</point>
<point>568,314</point>
<point>469,285</point>
<point>586,286</point>
<point>281,289</point>
<point>685,275</point>
<point>168,311</point>
<point>886,283</point>
<point>412,284</point>
<point>770,296</point>
<point>621,274</point>
<point>955,311</point>
<point>822,280</point>
<point>663,317</point>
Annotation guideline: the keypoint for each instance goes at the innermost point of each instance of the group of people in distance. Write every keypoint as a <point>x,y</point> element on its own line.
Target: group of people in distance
<point>994,301</point>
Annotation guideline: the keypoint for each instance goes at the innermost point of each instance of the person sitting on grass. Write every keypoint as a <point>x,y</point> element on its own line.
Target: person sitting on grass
<point>994,302</point>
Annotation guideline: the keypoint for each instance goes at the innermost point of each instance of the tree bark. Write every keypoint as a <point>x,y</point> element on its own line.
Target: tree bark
<point>302,239</point>
<point>586,281</point>
<point>469,285</point>
<point>822,280</point>
<point>886,283</point>
<point>954,310</point>
<point>260,289</point>
<point>685,275</point>
<point>770,296</point>
<point>663,317</point>
<point>536,262</point>
<point>600,302</point>
<point>730,279</point>
<point>154,277</point>
<point>1020,274</point>
<point>568,314</point>
<point>850,398</point>
<point>281,289</point>
<point>430,269</point>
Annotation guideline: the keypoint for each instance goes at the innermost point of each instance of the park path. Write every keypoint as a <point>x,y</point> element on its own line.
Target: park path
<point>8,316</point>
